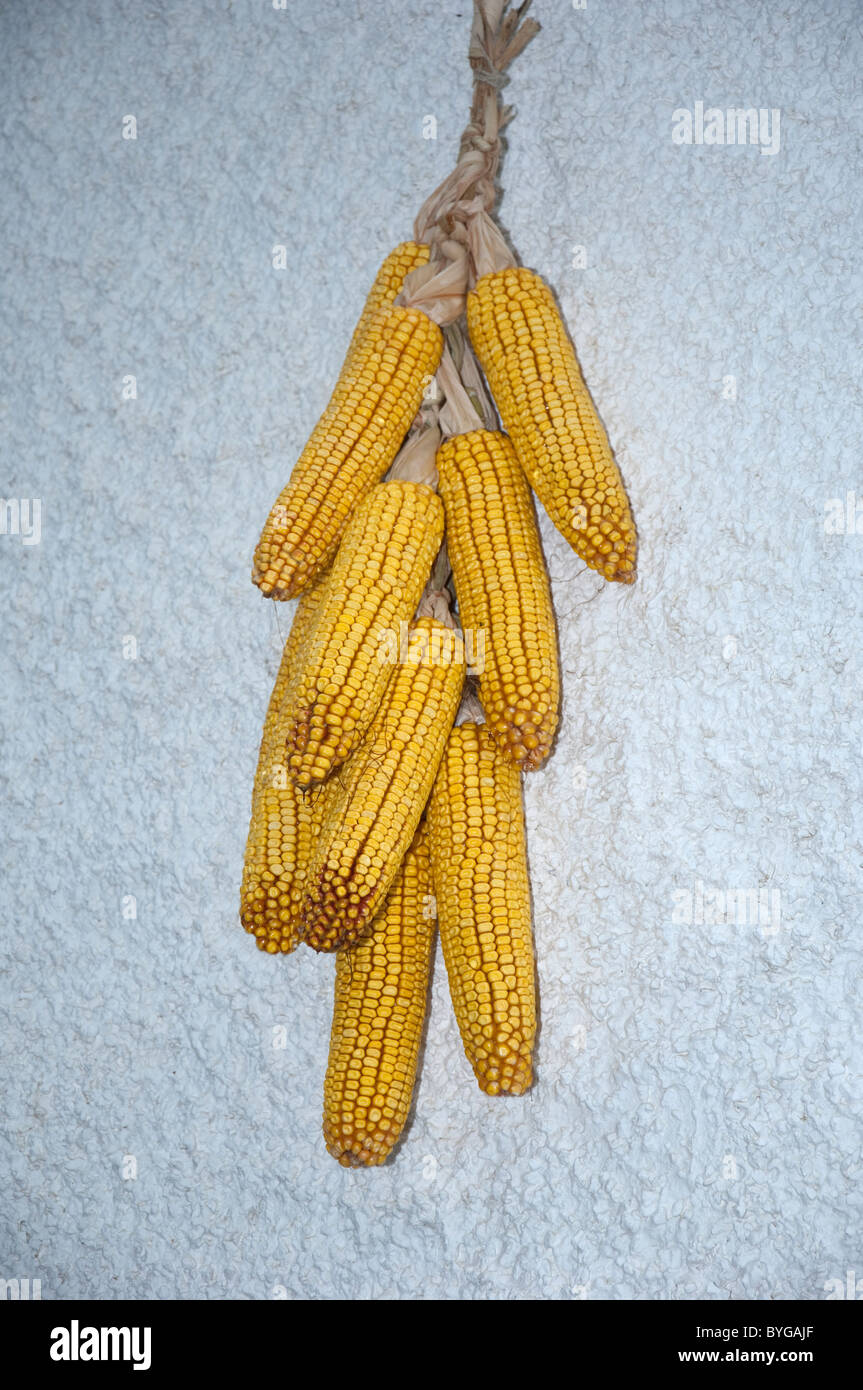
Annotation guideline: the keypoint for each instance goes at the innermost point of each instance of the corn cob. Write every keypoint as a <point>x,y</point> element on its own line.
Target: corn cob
<point>525,352</point>
<point>380,1004</point>
<point>503,590</point>
<point>352,446</point>
<point>407,256</point>
<point>283,820</point>
<point>380,569</point>
<point>479,865</point>
<point>379,796</point>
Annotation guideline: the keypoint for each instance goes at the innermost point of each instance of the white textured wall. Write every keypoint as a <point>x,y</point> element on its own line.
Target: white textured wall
<point>694,1128</point>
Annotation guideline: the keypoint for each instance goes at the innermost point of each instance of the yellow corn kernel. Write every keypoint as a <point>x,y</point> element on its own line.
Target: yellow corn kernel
<point>283,821</point>
<point>378,797</point>
<point>479,866</point>
<point>381,995</point>
<point>352,446</point>
<point>525,351</point>
<point>381,567</point>
<point>503,591</point>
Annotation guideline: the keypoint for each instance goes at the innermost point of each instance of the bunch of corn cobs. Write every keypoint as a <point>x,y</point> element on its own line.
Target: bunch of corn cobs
<point>379,809</point>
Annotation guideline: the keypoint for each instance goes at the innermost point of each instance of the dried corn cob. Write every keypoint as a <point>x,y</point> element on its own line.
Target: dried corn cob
<point>378,797</point>
<point>503,590</point>
<point>380,569</point>
<point>479,865</point>
<point>525,352</point>
<point>352,446</point>
<point>380,1004</point>
<point>407,256</point>
<point>283,820</point>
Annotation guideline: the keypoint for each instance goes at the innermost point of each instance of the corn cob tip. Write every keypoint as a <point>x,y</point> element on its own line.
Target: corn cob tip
<point>272,587</point>
<point>328,925</point>
<point>506,1080</point>
<point>267,916</point>
<point>360,1158</point>
<point>627,568</point>
<point>502,1062</point>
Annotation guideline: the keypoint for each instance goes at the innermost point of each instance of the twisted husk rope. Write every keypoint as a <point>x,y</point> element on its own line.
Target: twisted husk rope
<point>456,220</point>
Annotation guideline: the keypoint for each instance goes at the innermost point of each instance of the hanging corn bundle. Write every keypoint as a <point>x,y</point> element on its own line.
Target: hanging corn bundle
<point>375,794</point>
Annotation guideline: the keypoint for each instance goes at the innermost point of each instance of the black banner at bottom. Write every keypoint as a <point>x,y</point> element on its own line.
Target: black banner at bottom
<point>58,1339</point>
